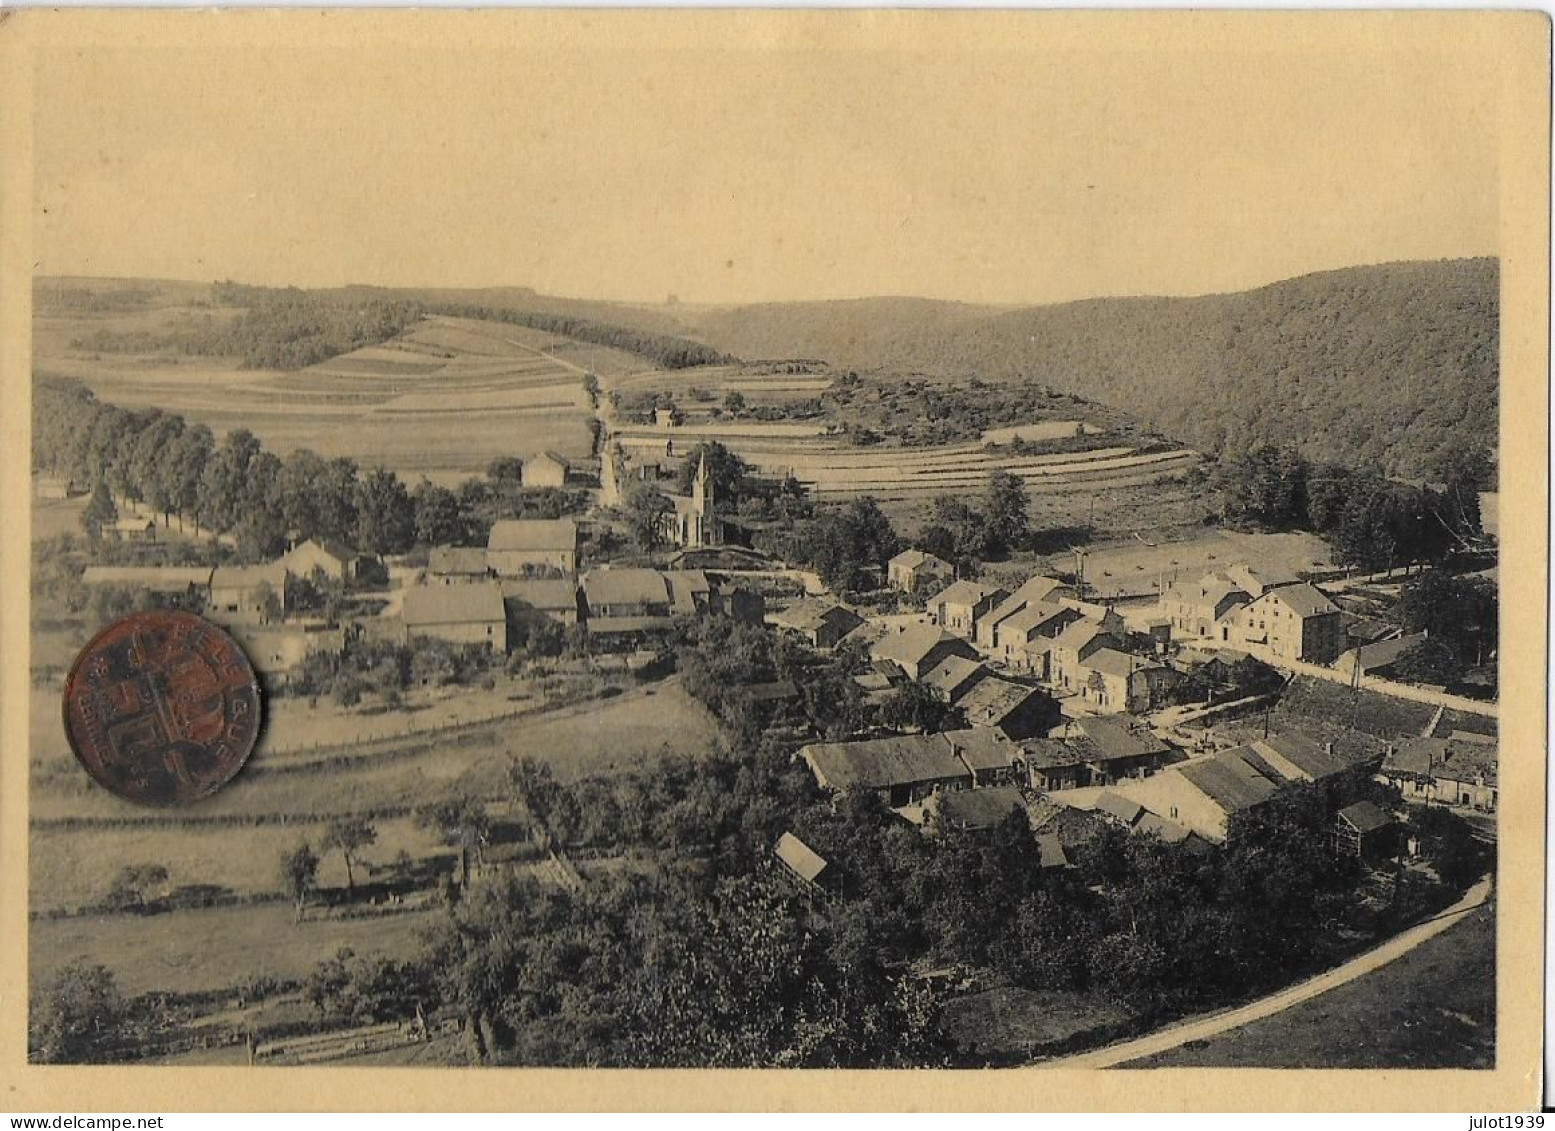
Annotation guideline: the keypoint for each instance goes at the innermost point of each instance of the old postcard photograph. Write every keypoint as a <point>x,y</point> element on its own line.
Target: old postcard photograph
<point>796,541</point>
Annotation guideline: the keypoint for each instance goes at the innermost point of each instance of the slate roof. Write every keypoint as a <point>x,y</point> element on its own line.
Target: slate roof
<point>1364,817</point>
<point>810,614</point>
<point>477,603</point>
<point>1033,616</point>
<point>912,644</point>
<point>1169,831</point>
<point>1079,634</point>
<point>884,762</point>
<point>625,587</point>
<point>1109,661</point>
<point>1235,779</point>
<point>912,559</point>
<point>546,595</point>
<point>951,673</point>
<point>1051,850</point>
<point>1448,759</point>
<point>1207,591</point>
<point>1308,756</point>
<point>1304,599</point>
<point>967,593</point>
<point>451,560</point>
<point>990,701</point>
<point>982,748</point>
<point>533,534</point>
<point>1385,652</point>
<point>1104,738</point>
<point>1046,754</point>
<point>978,808</point>
<point>1116,805</point>
<point>800,857</point>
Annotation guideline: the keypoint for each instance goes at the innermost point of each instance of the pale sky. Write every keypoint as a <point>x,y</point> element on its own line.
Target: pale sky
<point>1028,167</point>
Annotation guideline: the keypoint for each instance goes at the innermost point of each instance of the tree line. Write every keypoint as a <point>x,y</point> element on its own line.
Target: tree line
<point>1373,523</point>
<point>664,350</point>
<point>236,487</point>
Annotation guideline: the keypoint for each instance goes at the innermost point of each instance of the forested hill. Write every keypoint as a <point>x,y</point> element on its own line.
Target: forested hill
<point>1377,366</point>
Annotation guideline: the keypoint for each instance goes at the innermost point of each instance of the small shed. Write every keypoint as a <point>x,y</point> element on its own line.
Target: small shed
<point>800,861</point>
<point>1364,830</point>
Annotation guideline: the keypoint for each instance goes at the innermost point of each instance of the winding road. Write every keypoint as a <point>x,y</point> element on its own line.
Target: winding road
<point>1202,1027</point>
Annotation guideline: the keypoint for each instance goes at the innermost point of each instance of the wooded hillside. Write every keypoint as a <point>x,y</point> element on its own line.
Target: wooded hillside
<point>1377,366</point>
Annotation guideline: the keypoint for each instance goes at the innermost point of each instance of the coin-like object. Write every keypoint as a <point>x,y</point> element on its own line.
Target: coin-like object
<point>162,708</point>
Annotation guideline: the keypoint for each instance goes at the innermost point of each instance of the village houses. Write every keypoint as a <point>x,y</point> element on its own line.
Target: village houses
<point>544,470</point>
<point>1294,622</point>
<point>916,650</point>
<point>1043,592</point>
<point>459,614</point>
<point>819,623</point>
<point>958,607</point>
<point>1202,609</point>
<point>533,547</point>
<point>914,571</point>
<point>1459,770</point>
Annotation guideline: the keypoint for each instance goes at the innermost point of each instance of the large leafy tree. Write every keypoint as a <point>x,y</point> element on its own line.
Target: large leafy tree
<point>1007,521</point>
<point>385,515</point>
<point>79,1017</point>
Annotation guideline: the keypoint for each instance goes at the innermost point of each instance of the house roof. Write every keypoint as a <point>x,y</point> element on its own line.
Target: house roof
<point>544,594</point>
<point>1105,738</point>
<point>883,762</point>
<point>1110,661</point>
<point>1169,831</point>
<point>685,585</point>
<point>968,593</point>
<point>912,559</point>
<point>476,603</point>
<point>1034,591</point>
<point>991,701</point>
<point>913,644</point>
<point>1034,615</point>
<point>1080,633</point>
<point>800,857</point>
<point>1046,754</point>
<point>1304,599</point>
<point>978,808</point>
<point>457,560</point>
<point>533,534</point>
<point>1264,577</point>
<point>551,457</point>
<point>1385,652</point>
<point>1051,852</point>
<point>1307,755</point>
<point>243,577</point>
<point>1116,805</point>
<point>951,673</point>
<point>812,613</point>
<point>1447,759</point>
<point>1364,817</point>
<point>775,691</point>
<point>983,748</point>
<point>1233,779</point>
<point>1208,591</point>
<point>625,587</point>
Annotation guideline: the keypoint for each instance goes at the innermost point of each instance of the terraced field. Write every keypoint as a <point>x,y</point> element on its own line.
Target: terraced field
<point>834,472</point>
<point>441,400</point>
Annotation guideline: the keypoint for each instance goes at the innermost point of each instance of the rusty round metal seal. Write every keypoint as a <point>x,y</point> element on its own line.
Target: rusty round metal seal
<point>162,708</point>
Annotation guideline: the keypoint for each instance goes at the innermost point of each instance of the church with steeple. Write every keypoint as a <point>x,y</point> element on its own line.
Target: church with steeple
<point>691,524</point>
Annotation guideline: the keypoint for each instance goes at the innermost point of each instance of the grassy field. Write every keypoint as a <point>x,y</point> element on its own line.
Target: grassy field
<point>393,405</point>
<point>191,951</point>
<point>1006,1023</point>
<point>1433,1008</point>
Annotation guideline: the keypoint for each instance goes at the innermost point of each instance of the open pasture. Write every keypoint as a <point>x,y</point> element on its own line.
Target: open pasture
<point>448,396</point>
<point>213,949</point>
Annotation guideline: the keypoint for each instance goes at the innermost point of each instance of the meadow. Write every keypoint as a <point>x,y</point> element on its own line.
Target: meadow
<point>446,397</point>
